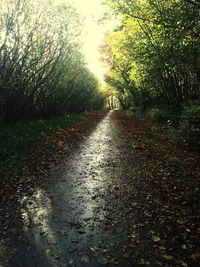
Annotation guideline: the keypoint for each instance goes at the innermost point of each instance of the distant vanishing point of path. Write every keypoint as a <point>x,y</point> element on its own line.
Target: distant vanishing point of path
<point>91,211</point>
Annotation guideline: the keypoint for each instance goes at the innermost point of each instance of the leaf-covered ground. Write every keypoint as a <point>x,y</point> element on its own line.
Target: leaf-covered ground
<point>107,191</point>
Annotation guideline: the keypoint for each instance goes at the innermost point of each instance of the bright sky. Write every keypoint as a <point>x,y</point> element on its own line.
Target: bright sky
<point>93,10</point>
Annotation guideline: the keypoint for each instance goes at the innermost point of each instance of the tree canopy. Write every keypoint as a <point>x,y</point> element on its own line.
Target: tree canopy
<point>153,54</point>
<point>42,69</point>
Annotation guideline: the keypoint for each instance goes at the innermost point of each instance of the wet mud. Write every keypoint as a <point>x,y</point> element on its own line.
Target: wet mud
<point>76,219</point>
<point>111,201</point>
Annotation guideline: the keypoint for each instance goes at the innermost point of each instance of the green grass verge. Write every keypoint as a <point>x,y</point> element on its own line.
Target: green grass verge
<point>13,137</point>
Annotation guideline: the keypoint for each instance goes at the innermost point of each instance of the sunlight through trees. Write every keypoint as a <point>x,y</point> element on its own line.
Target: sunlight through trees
<point>42,70</point>
<point>153,57</point>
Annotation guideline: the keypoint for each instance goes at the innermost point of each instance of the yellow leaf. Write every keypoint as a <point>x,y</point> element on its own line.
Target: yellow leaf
<point>167,257</point>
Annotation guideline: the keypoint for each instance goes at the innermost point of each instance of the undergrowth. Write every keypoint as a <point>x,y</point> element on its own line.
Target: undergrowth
<point>13,137</point>
<point>181,128</point>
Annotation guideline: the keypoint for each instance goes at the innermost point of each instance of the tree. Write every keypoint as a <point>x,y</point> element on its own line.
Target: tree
<point>39,56</point>
<point>154,53</point>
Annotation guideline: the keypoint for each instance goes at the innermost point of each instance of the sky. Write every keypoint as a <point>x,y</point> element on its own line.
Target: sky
<point>94,32</point>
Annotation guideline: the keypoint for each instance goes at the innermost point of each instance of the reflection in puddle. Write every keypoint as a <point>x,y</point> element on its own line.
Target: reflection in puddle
<point>36,214</point>
<point>65,216</point>
<point>36,209</point>
<point>96,148</point>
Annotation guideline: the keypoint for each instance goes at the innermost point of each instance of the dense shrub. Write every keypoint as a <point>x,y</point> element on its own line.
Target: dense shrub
<point>190,124</point>
<point>42,69</point>
<point>157,115</point>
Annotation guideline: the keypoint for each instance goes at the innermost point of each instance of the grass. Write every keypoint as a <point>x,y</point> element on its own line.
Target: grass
<point>13,137</point>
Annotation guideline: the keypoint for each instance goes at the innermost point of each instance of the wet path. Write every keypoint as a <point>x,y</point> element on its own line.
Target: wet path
<point>78,218</point>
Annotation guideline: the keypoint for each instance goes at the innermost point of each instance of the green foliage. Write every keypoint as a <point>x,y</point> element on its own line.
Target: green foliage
<point>191,112</point>
<point>154,57</point>
<point>154,54</point>
<point>157,115</point>
<point>190,124</point>
<point>42,69</point>
<point>13,137</point>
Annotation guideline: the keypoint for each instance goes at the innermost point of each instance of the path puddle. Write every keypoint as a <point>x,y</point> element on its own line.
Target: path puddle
<point>73,216</point>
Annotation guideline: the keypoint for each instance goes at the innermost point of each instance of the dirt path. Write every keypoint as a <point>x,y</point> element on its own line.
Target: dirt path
<point>93,210</point>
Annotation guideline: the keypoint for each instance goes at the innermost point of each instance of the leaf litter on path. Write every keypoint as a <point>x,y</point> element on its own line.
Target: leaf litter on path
<point>144,207</point>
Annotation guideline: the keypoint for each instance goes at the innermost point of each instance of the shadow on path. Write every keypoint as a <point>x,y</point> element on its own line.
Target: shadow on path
<point>77,218</point>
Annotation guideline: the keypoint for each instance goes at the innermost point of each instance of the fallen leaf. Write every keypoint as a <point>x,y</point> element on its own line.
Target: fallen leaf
<point>155,238</point>
<point>103,261</point>
<point>85,259</point>
<point>167,257</point>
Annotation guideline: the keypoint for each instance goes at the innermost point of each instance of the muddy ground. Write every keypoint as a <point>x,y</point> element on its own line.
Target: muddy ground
<point>107,191</point>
